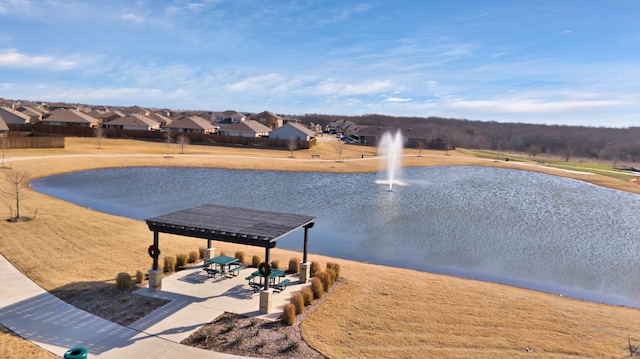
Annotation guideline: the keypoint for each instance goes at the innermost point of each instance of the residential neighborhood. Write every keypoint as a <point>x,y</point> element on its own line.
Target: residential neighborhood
<point>266,128</point>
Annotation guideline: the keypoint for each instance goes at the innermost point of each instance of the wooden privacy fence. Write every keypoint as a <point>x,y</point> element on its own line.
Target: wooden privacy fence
<point>194,138</point>
<point>32,142</point>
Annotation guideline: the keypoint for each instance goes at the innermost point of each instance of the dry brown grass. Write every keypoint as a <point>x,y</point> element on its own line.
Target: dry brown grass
<point>12,346</point>
<point>379,312</point>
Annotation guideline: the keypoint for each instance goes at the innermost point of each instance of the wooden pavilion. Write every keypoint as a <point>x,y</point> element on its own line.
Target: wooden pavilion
<point>229,224</point>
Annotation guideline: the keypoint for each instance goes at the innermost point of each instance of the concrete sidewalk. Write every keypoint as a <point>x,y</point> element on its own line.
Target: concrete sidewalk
<point>34,314</point>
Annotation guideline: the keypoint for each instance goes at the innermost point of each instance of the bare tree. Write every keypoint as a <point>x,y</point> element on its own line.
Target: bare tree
<point>98,133</point>
<point>168,135</point>
<point>340,150</point>
<point>420,147</point>
<point>182,140</point>
<point>292,145</point>
<point>3,138</point>
<point>15,184</point>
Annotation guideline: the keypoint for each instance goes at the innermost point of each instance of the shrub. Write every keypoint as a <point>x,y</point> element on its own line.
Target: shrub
<point>240,256</point>
<point>194,256</point>
<point>336,268</point>
<point>255,261</point>
<point>294,265</point>
<point>139,277</point>
<point>307,295</point>
<point>181,260</point>
<point>123,280</point>
<point>169,264</point>
<point>201,251</point>
<point>291,347</point>
<point>288,315</point>
<point>315,268</point>
<point>275,264</point>
<point>222,253</point>
<point>298,301</point>
<point>317,288</point>
<point>324,278</point>
<point>332,276</point>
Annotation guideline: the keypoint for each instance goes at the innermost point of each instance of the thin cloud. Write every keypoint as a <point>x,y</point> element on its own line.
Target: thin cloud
<point>132,18</point>
<point>531,106</point>
<point>257,83</point>
<point>344,14</point>
<point>15,59</point>
<point>397,99</point>
<point>332,87</point>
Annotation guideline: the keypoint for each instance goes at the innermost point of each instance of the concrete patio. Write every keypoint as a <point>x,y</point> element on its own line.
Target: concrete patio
<point>197,299</point>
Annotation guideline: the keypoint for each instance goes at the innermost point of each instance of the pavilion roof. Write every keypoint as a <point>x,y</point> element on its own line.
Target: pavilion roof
<point>230,224</point>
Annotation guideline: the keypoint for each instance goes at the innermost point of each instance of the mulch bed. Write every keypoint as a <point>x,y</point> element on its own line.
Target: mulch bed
<point>253,337</point>
<point>115,305</point>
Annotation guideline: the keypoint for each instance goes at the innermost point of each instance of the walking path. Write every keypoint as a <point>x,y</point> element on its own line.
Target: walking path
<point>34,314</point>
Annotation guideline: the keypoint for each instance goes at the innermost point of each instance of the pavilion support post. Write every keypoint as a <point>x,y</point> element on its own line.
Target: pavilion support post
<point>267,259</point>
<point>155,244</point>
<point>305,272</point>
<point>209,253</point>
<point>267,293</point>
<point>306,243</point>
<point>155,274</point>
<point>305,266</point>
<point>265,301</point>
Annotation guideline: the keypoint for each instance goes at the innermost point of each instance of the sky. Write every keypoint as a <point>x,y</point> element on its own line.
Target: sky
<point>572,62</point>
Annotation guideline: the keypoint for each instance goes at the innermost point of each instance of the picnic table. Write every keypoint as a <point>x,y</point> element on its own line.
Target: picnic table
<point>278,286</point>
<point>224,265</point>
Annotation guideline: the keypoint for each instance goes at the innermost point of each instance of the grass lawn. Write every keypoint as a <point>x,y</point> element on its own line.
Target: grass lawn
<point>379,312</point>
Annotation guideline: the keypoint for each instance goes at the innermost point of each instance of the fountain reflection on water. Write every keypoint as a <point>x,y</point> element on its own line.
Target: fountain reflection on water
<point>390,147</point>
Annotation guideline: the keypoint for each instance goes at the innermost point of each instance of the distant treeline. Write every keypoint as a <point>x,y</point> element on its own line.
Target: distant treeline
<point>619,145</point>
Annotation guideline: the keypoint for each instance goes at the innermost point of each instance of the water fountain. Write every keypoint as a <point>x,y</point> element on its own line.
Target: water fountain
<point>390,147</point>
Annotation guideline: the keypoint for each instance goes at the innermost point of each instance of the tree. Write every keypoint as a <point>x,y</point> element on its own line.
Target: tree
<point>168,135</point>
<point>292,145</point>
<point>340,150</point>
<point>3,138</point>
<point>183,140</point>
<point>15,184</point>
<point>420,147</point>
<point>98,133</point>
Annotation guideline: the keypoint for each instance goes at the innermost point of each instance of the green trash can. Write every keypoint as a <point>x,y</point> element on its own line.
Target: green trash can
<point>76,353</point>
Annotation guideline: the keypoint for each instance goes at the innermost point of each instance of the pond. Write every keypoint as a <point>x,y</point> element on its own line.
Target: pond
<point>514,227</point>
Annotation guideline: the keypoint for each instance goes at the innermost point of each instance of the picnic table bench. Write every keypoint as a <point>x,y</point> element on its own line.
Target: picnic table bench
<point>235,270</point>
<point>277,287</point>
<point>282,285</point>
<point>210,271</point>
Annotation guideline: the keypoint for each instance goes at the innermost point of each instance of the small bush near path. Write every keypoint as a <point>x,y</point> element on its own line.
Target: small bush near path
<point>325,279</point>
<point>298,302</point>
<point>275,264</point>
<point>139,277</point>
<point>169,264</point>
<point>194,256</point>
<point>307,295</point>
<point>317,288</point>
<point>123,281</point>
<point>288,314</point>
<point>334,267</point>
<point>181,260</point>
<point>294,266</point>
<point>241,257</point>
<point>255,261</point>
<point>315,268</point>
